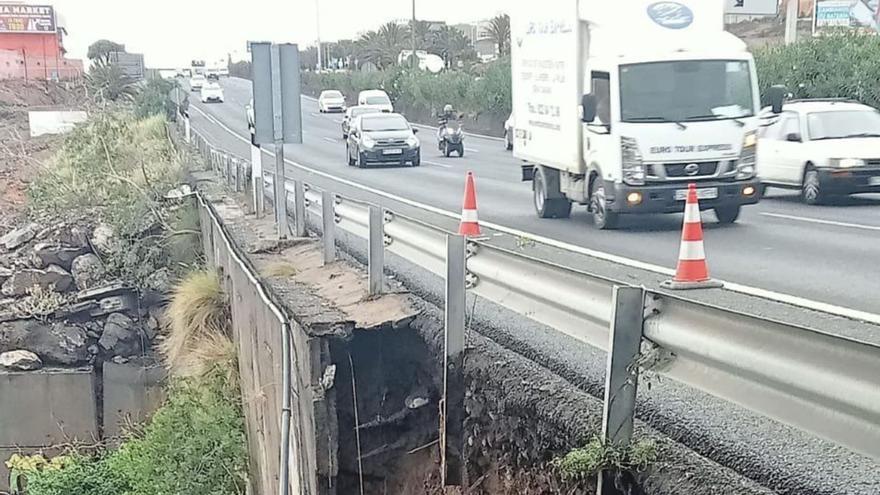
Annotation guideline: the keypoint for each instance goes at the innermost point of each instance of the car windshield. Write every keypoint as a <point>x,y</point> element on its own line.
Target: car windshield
<point>332,94</point>
<point>377,100</point>
<point>361,111</point>
<point>686,90</point>
<point>385,123</point>
<point>843,124</point>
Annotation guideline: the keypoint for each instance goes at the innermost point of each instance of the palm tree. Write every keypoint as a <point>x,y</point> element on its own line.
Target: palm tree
<point>499,32</point>
<point>383,47</point>
<point>451,44</point>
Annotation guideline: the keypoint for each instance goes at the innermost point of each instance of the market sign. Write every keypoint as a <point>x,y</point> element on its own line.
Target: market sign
<point>22,18</point>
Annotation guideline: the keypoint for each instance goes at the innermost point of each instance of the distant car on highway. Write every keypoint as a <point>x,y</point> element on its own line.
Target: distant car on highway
<point>196,82</point>
<point>331,101</point>
<point>353,112</point>
<point>223,71</point>
<point>382,138</point>
<point>375,98</point>
<point>508,132</point>
<point>824,148</point>
<point>212,93</point>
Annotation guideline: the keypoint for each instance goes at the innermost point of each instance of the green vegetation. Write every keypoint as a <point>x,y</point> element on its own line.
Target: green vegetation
<point>586,462</point>
<point>118,169</point>
<point>843,65</point>
<point>475,92</point>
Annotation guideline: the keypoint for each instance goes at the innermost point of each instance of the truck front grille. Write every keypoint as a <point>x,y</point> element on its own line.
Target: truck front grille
<point>685,170</point>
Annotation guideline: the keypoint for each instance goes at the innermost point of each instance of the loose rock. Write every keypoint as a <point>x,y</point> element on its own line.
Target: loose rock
<point>19,237</point>
<point>46,254</point>
<point>56,343</point>
<point>20,360</point>
<point>87,271</point>
<point>121,336</point>
<point>160,281</point>
<point>103,238</point>
<point>52,278</point>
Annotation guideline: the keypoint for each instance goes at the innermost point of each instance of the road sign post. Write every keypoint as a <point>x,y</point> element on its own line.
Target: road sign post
<point>452,456</point>
<point>277,112</point>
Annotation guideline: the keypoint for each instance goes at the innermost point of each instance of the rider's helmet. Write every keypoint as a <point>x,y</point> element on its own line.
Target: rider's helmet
<point>447,109</point>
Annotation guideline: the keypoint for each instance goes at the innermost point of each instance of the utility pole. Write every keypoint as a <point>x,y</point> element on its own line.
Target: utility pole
<point>415,62</point>
<point>791,19</point>
<point>318,33</point>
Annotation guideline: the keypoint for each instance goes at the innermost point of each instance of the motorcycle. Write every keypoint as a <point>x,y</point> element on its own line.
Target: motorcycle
<point>451,139</point>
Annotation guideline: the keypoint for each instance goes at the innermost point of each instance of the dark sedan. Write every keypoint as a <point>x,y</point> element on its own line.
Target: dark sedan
<point>382,138</point>
<point>354,112</point>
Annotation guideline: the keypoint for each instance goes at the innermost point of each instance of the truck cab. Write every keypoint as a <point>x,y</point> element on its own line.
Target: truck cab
<point>621,108</point>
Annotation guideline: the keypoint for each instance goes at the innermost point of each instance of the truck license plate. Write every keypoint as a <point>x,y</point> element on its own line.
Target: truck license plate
<point>395,151</point>
<point>705,193</point>
<point>874,181</point>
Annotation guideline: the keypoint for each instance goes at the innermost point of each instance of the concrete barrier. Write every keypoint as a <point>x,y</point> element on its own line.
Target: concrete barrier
<point>54,122</point>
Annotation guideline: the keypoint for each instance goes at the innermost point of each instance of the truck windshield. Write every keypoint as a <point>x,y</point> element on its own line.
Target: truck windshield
<point>686,90</point>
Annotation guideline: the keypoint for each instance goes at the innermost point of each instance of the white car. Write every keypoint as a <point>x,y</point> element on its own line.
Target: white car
<point>824,148</point>
<point>376,98</point>
<point>212,92</point>
<point>196,82</point>
<point>331,101</point>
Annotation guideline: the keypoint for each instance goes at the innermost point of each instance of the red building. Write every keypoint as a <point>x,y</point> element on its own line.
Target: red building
<point>32,44</point>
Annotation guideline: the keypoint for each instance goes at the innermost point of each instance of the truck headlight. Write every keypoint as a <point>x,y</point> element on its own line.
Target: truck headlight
<point>368,142</point>
<point>847,162</point>
<point>745,167</point>
<point>631,162</point>
<point>412,142</point>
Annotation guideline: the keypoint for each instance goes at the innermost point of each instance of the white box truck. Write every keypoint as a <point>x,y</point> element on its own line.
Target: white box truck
<point>620,105</point>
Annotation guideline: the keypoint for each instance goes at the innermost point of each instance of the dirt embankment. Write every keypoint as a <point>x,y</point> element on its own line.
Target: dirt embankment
<point>20,155</point>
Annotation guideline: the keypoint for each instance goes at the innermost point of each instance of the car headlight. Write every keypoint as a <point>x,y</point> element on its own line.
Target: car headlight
<point>368,142</point>
<point>412,142</point>
<point>745,167</point>
<point>847,162</point>
<point>631,162</point>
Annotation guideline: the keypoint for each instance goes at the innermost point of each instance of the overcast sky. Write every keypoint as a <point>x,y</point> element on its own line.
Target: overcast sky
<point>171,33</point>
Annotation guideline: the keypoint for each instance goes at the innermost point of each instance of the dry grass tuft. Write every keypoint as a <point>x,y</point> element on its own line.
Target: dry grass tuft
<point>198,338</point>
<point>279,269</point>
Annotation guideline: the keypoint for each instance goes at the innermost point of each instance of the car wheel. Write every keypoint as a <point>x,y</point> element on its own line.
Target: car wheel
<point>727,214</point>
<point>417,160</point>
<point>548,207</point>
<point>811,190</point>
<point>603,218</point>
<point>508,139</point>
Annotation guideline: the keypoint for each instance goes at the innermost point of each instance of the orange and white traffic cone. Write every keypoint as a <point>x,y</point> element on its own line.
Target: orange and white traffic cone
<point>470,224</point>
<point>692,271</point>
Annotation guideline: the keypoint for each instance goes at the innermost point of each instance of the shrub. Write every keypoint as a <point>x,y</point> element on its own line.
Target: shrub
<point>587,461</point>
<point>842,65</point>
<point>154,98</point>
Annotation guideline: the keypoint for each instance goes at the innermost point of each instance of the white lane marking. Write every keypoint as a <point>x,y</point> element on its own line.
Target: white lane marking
<point>338,121</point>
<point>330,140</point>
<point>316,114</point>
<point>823,222</point>
<point>436,164</point>
<point>743,289</point>
<point>471,150</point>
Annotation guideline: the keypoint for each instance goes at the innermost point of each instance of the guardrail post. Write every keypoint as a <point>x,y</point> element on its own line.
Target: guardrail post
<point>622,373</point>
<point>238,175</point>
<point>227,163</point>
<point>328,216</point>
<point>187,130</point>
<point>299,208</point>
<point>257,180</point>
<point>452,466</point>
<point>376,254</point>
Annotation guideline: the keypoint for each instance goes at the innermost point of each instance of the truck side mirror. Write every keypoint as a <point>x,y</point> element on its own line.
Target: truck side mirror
<point>588,102</point>
<point>776,95</point>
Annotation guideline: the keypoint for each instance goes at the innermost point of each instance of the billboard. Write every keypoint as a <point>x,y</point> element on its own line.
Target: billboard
<point>751,7</point>
<point>22,18</point>
<point>847,14</point>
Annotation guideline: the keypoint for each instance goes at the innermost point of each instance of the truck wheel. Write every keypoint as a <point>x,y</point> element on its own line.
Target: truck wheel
<point>547,207</point>
<point>603,218</point>
<point>727,214</point>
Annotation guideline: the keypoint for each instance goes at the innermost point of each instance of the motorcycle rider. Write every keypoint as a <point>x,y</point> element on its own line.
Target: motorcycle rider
<point>447,116</point>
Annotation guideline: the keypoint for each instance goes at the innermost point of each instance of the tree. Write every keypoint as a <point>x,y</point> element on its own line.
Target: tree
<point>108,81</point>
<point>499,32</point>
<point>452,45</point>
<point>102,49</point>
<point>383,47</point>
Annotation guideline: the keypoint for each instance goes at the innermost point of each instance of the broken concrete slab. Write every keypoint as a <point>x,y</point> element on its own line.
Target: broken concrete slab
<point>20,360</point>
<point>46,253</point>
<point>23,281</point>
<point>19,237</point>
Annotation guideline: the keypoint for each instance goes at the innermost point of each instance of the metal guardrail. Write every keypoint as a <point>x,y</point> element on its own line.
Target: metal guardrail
<point>824,384</point>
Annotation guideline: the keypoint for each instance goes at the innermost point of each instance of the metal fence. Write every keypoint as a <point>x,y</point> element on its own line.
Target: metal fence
<point>821,383</point>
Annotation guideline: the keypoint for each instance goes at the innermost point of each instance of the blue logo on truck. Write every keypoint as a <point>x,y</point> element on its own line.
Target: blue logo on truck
<point>671,15</point>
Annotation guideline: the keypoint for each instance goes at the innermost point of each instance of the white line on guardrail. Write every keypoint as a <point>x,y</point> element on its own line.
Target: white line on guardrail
<point>744,289</point>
